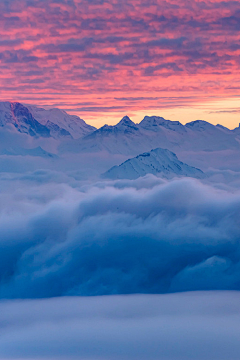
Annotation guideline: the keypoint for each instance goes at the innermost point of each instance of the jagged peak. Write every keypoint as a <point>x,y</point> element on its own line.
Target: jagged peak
<point>126,121</point>
<point>155,122</point>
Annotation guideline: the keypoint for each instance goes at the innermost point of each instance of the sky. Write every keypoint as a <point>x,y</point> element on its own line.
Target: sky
<point>102,59</point>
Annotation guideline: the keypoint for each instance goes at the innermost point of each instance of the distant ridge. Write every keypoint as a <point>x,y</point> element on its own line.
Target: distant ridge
<point>130,139</point>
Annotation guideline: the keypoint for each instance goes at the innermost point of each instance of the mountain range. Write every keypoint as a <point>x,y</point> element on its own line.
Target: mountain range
<point>198,143</point>
<point>128,138</point>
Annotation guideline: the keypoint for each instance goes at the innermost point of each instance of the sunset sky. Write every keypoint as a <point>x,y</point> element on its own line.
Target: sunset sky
<point>104,59</point>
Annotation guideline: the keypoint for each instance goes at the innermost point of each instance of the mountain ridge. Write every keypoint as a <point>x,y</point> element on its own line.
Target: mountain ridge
<point>128,138</point>
<point>125,138</point>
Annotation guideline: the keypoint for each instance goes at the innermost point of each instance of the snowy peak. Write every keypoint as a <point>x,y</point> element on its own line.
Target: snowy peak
<point>126,121</point>
<point>149,121</point>
<point>39,122</point>
<point>157,123</point>
<point>199,125</point>
<point>19,116</point>
<point>68,124</point>
<point>160,162</point>
<point>126,125</point>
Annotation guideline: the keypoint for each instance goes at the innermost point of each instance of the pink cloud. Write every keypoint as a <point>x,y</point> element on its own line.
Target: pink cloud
<point>103,48</point>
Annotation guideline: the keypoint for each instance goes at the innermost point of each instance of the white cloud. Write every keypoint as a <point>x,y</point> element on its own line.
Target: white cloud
<point>110,238</point>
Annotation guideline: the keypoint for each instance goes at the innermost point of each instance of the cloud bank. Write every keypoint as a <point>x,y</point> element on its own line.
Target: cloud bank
<point>145,236</point>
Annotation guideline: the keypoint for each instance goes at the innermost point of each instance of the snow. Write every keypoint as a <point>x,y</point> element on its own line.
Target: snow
<point>125,138</point>
<point>157,162</point>
<point>75,126</point>
<point>39,122</point>
<point>198,143</point>
<point>19,116</point>
<point>130,139</point>
<point>153,122</point>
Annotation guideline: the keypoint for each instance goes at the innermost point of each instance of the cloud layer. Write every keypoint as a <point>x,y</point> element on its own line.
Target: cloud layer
<point>196,326</point>
<point>146,236</point>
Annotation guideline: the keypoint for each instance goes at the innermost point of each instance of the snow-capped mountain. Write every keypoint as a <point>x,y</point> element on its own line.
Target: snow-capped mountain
<point>154,123</point>
<point>122,138</point>
<point>18,115</point>
<point>55,118</point>
<point>131,139</point>
<point>39,122</point>
<point>125,138</point>
<point>157,162</point>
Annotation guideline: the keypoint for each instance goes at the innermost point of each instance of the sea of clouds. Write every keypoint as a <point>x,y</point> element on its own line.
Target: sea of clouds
<point>123,237</point>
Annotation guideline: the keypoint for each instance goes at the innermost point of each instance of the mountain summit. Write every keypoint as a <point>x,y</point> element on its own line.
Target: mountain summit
<point>157,162</point>
<point>154,122</point>
<point>20,117</point>
<point>55,118</point>
<point>126,125</point>
<point>38,122</point>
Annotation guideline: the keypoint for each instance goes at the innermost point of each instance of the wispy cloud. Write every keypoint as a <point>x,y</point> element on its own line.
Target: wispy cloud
<point>230,111</point>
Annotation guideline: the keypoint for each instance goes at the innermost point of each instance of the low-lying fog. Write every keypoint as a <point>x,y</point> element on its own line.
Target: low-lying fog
<point>185,326</point>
